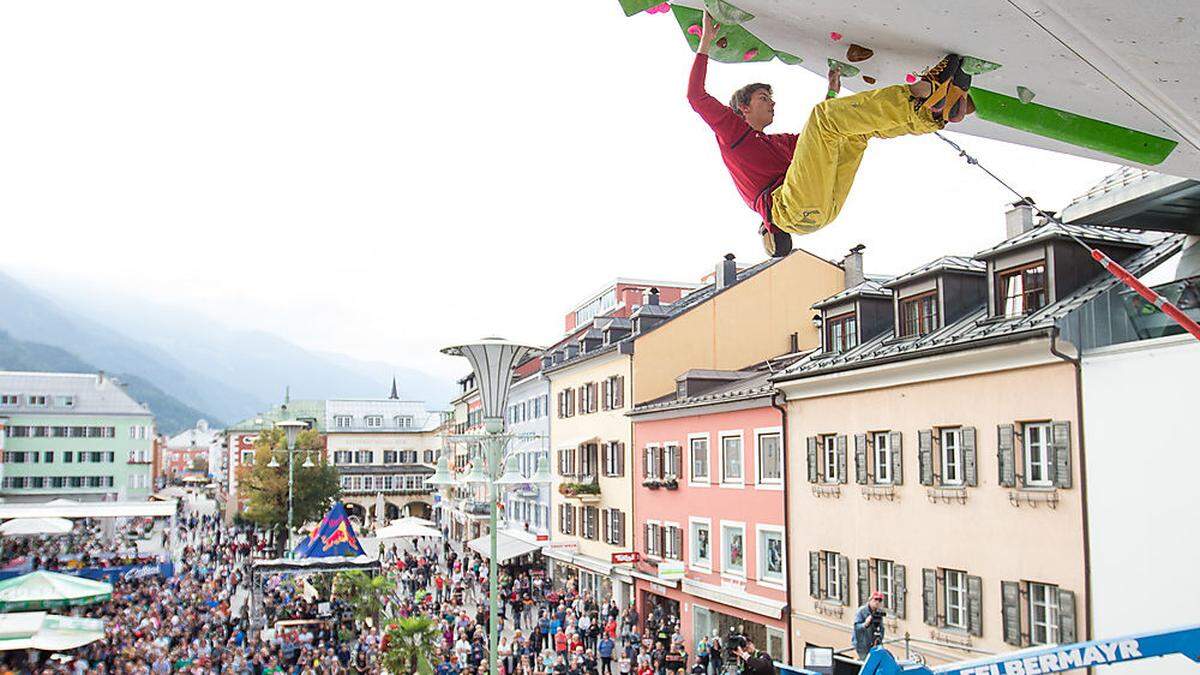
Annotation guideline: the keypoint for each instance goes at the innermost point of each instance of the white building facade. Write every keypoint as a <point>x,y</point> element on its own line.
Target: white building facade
<point>527,507</point>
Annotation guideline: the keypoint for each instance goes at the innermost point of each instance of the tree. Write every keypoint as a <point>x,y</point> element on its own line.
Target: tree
<point>408,645</point>
<point>364,593</point>
<point>314,489</point>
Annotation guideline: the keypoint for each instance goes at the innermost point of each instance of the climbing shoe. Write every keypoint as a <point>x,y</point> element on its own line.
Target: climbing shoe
<point>958,103</point>
<point>940,77</point>
<point>776,243</point>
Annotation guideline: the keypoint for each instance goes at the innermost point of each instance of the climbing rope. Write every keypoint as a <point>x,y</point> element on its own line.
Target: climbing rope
<point>1111,266</point>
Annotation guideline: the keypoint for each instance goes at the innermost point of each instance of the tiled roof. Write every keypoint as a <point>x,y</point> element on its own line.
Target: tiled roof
<point>946,263</point>
<point>1089,233</point>
<point>976,327</point>
<point>92,394</point>
<point>872,287</point>
<point>300,409</point>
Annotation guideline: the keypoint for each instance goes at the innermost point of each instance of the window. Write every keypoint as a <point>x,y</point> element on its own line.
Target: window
<point>588,459</point>
<point>343,421</point>
<point>10,400</point>
<point>701,543</point>
<point>614,525</point>
<point>1023,290</point>
<point>672,542</point>
<point>612,459</point>
<point>952,457</point>
<point>883,457</point>
<point>566,462</point>
<point>830,459</point>
<point>69,457</point>
<point>919,315</point>
<point>698,459</point>
<point>956,599</point>
<point>343,457</point>
<point>389,456</point>
<point>885,582</point>
<point>374,421</point>
<point>1043,614</point>
<point>48,457</point>
<point>1037,455</point>
<point>653,535</point>
<point>770,554</point>
<point>731,460</point>
<point>429,457</point>
<point>833,576</point>
<point>841,333</point>
<point>364,456</point>
<point>38,400</point>
<point>402,421</point>
<point>64,401</point>
<point>733,549</point>
<point>770,458</point>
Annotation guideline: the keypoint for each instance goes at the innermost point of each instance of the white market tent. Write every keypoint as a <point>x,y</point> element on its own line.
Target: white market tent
<point>48,632</point>
<point>156,509</point>
<point>416,520</point>
<point>403,530</point>
<point>507,546</point>
<point>32,526</point>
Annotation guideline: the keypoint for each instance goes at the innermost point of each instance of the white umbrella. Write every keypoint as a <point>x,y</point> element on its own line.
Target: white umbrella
<point>399,530</point>
<point>47,632</point>
<point>28,526</point>
<point>62,501</point>
<point>414,521</point>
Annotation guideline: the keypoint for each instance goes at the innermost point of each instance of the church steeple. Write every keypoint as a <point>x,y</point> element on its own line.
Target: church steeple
<point>395,396</point>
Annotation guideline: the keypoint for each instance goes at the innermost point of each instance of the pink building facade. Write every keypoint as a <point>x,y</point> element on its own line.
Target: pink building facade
<point>708,495</point>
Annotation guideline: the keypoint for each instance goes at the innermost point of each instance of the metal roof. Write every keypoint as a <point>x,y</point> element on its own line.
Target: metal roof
<point>872,287</point>
<point>422,420</point>
<point>1140,198</point>
<point>91,394</point>
<point>1089,233</point>
<point>977,327</point>
<point>295,410</point>
<point>946,263</point>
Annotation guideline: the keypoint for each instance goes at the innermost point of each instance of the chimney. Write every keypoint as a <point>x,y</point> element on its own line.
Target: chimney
<point>99,378</point>
<point>1019,218</point>
<point>651,296</point>
<point>726,273</point>
<point>852,265</point>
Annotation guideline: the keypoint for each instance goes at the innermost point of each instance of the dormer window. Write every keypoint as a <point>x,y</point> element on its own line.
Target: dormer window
<point>374,421</point>
<point>841,333</point>
<point>1021,290</point>
<point>343,421</point>
<point>919,315</point>
<point>402,421</point>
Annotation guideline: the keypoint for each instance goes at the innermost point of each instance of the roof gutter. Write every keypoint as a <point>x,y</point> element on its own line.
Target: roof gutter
<point>936,351</point>
<point>787,528</point>
<point>1077,362</point>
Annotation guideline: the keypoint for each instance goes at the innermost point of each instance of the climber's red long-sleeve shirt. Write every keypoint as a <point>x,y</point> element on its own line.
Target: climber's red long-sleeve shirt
<point>756,161</point>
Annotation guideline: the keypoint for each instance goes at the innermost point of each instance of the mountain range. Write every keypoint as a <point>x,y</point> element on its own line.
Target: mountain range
<point>227,374</point>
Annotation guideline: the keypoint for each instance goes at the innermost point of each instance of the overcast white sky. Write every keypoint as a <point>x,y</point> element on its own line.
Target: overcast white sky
<point>382,178</point>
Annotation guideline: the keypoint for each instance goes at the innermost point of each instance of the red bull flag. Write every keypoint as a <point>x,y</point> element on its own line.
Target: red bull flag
<point>333,536</point>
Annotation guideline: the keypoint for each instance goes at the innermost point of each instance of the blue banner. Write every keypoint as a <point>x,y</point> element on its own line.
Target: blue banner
<point>111,574</point>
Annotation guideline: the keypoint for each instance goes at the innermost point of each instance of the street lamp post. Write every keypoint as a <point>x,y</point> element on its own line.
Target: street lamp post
<point>291,429</point>
<point>492,360</point>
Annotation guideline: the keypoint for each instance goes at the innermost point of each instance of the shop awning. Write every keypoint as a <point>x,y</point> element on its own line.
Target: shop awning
<point>507,547</point>
<point>88,510</point>
<point>736,598</point>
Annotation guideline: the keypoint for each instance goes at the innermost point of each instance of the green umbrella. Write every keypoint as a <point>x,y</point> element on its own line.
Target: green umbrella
<point>47,632</point>
<point>44,590</point>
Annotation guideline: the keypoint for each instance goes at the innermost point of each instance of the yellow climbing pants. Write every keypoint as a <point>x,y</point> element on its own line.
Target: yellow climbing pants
<point>830,149</point>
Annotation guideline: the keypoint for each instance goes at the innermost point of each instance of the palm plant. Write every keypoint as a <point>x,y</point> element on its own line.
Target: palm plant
<point>408,645</point>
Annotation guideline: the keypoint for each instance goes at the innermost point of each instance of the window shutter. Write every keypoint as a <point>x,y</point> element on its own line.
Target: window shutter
<point>646,464</point>
<point>592,388</point>
<point>605,514</point>
<point>1006,458</point>
<point>844,579</point>
<point>975,605</point>
<point>860,462</point>
<point>619,394</point>
<point>1010,601</point>
<point>841,458</point>
<point>929,596</point>
<point>864,580</point>
<point>604,450</point>
<point>646,545</point>
<point>580,401</point>
<point>814,574</point>
<point>925,455</point>
<point>1061,443</point>
<point>970,465</point>
<point>678,543</point>
<point>896,439</point>
<point>813,474</point>
<point>604,395</point>
<point>620,449</point>
<point>620,528</point>
<point>901,585</point>
<point>562,524</point>
<point>1066,617</point>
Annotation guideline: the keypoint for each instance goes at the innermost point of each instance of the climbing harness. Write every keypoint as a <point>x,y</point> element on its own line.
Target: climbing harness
<point>1111,266</point>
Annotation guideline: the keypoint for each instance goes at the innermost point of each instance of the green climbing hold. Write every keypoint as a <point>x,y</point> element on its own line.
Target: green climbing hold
<point>788,58</point>
<point>847,69</point>
<point>631,7</point>
<point>726,13</point>
<point>1085,132</point>
<point>733,44</point>
<point>973,65</point>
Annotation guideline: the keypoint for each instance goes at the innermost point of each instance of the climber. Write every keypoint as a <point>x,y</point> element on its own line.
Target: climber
<point>799,183</point>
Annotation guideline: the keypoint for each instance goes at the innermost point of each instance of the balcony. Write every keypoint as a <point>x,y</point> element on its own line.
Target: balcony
<point>669,483</point>
<point>586,491</point>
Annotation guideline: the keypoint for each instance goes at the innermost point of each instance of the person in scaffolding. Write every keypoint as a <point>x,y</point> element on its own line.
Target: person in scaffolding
<point>799,183</point>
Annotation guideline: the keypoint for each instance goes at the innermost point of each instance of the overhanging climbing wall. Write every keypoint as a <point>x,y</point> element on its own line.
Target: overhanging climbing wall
<point>1107,79</point>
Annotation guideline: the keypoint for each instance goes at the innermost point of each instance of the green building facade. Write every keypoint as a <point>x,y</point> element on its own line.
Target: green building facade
<point>73,435</point>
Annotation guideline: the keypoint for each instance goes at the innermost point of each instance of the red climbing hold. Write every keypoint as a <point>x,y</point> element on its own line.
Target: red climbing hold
<point>749,55</point>
<point>910,79</point>
<point>835,36</point>
<point>695,30</point>
<point>659,9</point>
